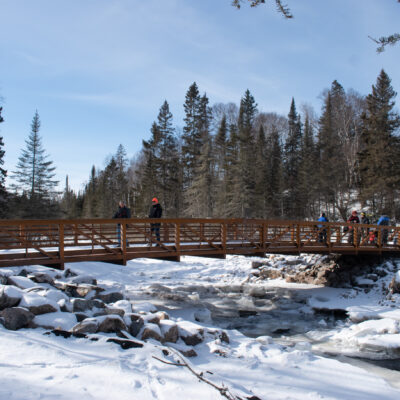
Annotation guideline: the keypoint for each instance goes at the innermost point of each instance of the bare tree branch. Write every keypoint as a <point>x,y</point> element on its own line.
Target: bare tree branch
<point>282,8</point>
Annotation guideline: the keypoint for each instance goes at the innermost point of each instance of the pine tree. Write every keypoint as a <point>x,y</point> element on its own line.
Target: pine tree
<point>34,175</point>
<point>69,203</point>
<point>380,154</point>
<point>3,174</point>
<point>90,200</point>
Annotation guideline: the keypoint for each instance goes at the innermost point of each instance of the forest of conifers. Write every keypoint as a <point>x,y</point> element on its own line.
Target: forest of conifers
<point>232,160</point>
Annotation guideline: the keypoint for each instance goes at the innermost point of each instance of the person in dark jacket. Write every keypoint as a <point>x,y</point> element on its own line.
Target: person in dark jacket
<point>353,219</point>
<point>155,212</point>
<point>364,220</point>
<point>384,220</point>
<point>322,234</point>
<point>122,212</point>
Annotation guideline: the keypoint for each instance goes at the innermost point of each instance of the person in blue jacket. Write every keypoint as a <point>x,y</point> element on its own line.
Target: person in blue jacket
<point>322,232</point>
<point>384,220</point>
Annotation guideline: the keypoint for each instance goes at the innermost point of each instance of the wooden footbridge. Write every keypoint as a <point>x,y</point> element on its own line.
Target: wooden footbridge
<point>55,242</point>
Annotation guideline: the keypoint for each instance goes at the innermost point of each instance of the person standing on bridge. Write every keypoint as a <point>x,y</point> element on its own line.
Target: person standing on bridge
<point>384,220</point>
<point>353,219</point>
<point>155,212</point>
<point>322,230</point>
<point>122,212</point>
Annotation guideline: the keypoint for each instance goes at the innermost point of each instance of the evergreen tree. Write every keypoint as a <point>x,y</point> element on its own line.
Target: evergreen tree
<point>275,175</point>
<point>35,176</point>
<point>199,196</point>
<point>69,203</point>
<point>247,113</point>
<point>220,153</point>
<point>380,153</point>
<point>233,181</point>
<point>261,175</point>
<point>90,200</point>
<point>170,190</point>
<point>3,174</point>
<point>307,170</point>
<point>191,138</point>
<point>294,203</point>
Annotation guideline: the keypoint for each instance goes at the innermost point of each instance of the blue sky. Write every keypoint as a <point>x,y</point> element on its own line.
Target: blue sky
<point>98,71</point>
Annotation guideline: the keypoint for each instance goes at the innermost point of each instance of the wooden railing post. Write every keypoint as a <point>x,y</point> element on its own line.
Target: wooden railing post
<point>123,238</point>
<point>178,239</point>
<point>61,244</point>
<point>223,236</point>
<point>298,236</point>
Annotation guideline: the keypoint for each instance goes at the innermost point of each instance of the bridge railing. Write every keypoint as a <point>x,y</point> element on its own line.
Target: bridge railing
<point>57,241</point>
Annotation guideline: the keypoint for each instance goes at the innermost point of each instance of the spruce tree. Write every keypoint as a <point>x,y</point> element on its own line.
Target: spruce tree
<point>380,153</point>
<point>34,176</point>
<point>247,113</point>
<point>294,204</point>
<point>90,200</point>
<point>199,197</point>
<point>260,175</point>
<point>275,175</point>
<point>3,174</point>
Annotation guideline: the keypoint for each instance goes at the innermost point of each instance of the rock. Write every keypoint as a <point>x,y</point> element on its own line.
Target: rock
<point>111,323</point>
<point>190,333</point>
<point>3,280</point>
<point>189,353</point>
<point>108,310</point>
<point>79,279</point>
<point>125,343</point>
<point>38,304</point>
<point>220,335</point>
<point>21,282</point>
<point>81,305</point>
<point>88,325</point>
<point>394,286</point>
<point>15,318</point>
<point>81,317</point>
<point>60,320</point>
<point>272,273</point>
<point>257,264</point>
<point>169,331</point>
<point>152,331</point>
<point>112,297</point>
<point>40,277</point>
<point>162,315</point>
<point>81,291</point>
<point>134,322</point>
<point>68,273</point>
<point>257,291</point>
<point>10,296</point>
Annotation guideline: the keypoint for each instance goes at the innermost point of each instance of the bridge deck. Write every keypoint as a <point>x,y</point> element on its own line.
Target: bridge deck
<point>55,242</point>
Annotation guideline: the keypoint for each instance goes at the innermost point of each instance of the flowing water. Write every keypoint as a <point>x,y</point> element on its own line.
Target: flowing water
<point>281,313</point>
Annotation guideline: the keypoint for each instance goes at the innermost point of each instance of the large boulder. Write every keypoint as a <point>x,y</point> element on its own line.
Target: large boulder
<point>134,322</point>
<point>111,323</point>
<point>190,333</point>
<point>21,282</point>
<point>41,277</point>
<point>37,304</point>
<point>15,318</point>
<point>152,331</point>
<point>169,330</point>
<point>10,296</point>
<point>111,297</point>
<point>88,325</point>
<point>59,320</point>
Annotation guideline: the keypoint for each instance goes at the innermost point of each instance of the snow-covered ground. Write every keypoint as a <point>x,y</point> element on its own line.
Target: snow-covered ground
<point>38,366</point>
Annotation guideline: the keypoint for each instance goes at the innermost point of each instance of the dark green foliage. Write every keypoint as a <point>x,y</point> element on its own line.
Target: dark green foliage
<point>34,177</point>
<point>293,198</point>
<point>380,150</point>
<point>3,175</point>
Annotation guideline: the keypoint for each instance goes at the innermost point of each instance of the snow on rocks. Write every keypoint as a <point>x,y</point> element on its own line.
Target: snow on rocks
<point>10,296</point>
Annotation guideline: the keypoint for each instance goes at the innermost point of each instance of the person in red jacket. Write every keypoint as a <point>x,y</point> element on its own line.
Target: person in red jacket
<point>353,219</point>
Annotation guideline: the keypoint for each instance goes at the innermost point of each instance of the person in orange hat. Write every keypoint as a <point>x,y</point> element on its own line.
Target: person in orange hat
<point>155,212</point>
